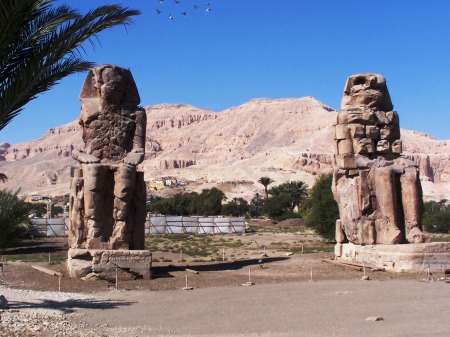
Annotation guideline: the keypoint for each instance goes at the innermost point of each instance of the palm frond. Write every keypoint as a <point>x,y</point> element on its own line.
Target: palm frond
<point>40,45</point>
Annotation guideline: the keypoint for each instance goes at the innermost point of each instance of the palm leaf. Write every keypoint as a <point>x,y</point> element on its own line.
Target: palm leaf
<point>41,44</point>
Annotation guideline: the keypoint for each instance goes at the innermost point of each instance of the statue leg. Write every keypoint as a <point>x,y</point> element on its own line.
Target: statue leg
<point>124,185</point>
<point>387,227</point>
<point>412,205</point>
<point>77,233</point>
<point>93,205</point>
<point>139,212</point>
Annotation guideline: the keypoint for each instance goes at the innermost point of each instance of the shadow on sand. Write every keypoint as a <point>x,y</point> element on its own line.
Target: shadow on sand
<point>70,305</point>
<point>164,271</point>
<point>35,247</point>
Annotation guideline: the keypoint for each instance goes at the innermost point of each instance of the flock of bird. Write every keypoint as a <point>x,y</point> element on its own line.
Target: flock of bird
<point>160,11</point>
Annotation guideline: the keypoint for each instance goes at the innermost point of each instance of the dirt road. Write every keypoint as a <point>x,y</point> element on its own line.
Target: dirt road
<point>324,308</point>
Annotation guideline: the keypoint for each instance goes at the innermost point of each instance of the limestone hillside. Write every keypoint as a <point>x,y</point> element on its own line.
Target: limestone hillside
<point>284,139</point>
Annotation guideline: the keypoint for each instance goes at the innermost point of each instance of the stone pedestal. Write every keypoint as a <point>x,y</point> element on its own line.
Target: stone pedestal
<point>398,258</point>
<point>104,263</point>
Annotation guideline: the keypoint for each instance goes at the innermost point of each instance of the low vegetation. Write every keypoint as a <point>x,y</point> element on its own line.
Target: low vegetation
<point>14,222</point>
<point>437,216</point>
<point>320,210</point>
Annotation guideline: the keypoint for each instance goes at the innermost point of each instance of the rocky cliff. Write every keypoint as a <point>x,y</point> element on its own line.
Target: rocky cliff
<point>285,139</point>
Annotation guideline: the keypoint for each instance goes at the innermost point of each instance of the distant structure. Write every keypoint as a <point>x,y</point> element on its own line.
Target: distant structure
<point>107,193</point>
<point>378,191</point>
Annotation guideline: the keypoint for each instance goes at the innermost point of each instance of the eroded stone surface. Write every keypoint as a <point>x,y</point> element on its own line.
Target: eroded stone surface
<point>105,263</point>
<point>107,193</point>
<point>378,191</point>
<point>434,256</point>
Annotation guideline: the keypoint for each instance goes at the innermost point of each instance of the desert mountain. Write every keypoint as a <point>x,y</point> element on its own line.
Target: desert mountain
<point>284,139</point>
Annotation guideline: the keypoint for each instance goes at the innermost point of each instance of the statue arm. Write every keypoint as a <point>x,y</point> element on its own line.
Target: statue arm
<point>136,156</point>
<point>84,157</point>
<point>140,133</point>
<point>363,162</point>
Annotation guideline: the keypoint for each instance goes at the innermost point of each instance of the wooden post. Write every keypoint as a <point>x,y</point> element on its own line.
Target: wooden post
<point>302,248</point>
<point>181,255</point>
<point>186,279</point>
<point>364,268</point>
<point>223,254</point>
<point>117,285</point>
<point>49,258</point>
<point>59,283</point>
<point>249,274</point>
<point>311,280</point>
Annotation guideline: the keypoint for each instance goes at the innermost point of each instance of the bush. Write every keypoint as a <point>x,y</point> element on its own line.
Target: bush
<point>438,221</point>
<point>236,207</point>
<point>287,215</point>
<point>277,205</point>
<point>320,210</point>
<point>14,222</point>
<point>209,202</point>
<point>256,205</point>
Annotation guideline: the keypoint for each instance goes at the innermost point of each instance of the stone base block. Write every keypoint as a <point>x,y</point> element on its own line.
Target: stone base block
<point>398,258</point>
<point>103,263</point>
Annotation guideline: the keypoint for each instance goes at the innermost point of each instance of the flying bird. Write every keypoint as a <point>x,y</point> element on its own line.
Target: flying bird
<point>208,9</point>
<point>195,7</point>
<point>170,17</point>
<point>158,11</point>
<point>184,13</point>
<point>177,2</point>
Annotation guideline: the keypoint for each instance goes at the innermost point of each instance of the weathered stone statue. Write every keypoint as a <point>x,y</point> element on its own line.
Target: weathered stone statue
<point>378,191</point>
<point>107,193</point>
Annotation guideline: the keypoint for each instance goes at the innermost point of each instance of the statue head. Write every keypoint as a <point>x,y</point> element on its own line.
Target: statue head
<point>110,100</point>
<point>107,87</point>
<point>366,91</point>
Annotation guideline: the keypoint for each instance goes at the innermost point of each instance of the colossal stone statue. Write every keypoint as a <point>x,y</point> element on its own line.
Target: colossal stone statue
<point>377,190</point>
<point>107,195</point>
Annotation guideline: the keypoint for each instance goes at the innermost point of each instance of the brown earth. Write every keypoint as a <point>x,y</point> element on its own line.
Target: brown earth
<point>278,267</point>
<point>296,295</point>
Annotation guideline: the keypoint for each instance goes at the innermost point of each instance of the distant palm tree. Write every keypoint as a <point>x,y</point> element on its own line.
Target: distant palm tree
<point>266,181</point>
<point>40,44</point>
<point>297,191</point>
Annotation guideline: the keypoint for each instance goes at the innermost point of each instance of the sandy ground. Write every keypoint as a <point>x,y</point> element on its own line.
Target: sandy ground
<point>304,308</point>
<point>282,302</point>
<point>326,308</point>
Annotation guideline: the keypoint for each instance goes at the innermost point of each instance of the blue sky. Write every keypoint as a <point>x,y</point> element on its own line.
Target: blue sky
<point>245,49</point>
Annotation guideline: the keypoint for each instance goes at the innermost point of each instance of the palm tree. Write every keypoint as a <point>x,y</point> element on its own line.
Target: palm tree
<point>266,181</point>
<point>40,44</point>
<point>296,190</point>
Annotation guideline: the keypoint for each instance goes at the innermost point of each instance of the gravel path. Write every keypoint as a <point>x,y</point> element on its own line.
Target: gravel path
<point>44,313</point>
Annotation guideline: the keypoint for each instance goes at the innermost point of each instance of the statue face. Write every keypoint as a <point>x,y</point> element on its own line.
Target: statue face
<point>366,92</point>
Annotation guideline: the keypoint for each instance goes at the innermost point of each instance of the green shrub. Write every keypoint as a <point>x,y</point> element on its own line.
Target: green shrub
<point>320,210</point>
<point>14,222</point>
<point>277,205</point>
<point>438,221</point>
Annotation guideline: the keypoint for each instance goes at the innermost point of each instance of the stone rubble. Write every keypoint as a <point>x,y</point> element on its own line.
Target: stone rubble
<point>41,313</point>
